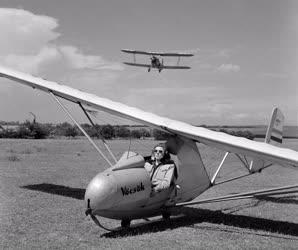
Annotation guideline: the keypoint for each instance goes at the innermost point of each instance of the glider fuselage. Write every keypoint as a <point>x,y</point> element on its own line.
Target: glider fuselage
<point>124,191</point>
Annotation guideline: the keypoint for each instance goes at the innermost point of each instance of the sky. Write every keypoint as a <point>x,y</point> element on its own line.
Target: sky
<point>245,59</point>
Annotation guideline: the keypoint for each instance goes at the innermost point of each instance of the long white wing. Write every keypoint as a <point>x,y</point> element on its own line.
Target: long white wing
<point>219,140</point>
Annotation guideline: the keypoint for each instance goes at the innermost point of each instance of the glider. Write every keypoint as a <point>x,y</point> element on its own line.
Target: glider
<point>123,190</point>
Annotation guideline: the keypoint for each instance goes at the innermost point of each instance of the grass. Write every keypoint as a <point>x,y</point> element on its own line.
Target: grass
<point>42,204</point>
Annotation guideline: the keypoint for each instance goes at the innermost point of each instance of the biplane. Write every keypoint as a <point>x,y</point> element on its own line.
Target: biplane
<point>123,190</point>
<point>156,58</point>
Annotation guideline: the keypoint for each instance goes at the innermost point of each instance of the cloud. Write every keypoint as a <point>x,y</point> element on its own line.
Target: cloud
<point>226,68</point>
<point>276,75</point>
<point>23,32</point>
<point>29,45</point>
<point>78,60</point>
<point>32,63</point>
<point>225,53</point>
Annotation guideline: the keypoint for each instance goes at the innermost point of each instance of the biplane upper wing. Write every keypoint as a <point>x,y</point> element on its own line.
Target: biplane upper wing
<point>156,53</point>
<point>219,140</point>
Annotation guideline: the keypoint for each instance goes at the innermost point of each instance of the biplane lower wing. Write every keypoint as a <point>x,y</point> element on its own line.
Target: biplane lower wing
<point>254,149</point>
<point>138,64</point>
<point>148,53</point>
<point>175,67</point>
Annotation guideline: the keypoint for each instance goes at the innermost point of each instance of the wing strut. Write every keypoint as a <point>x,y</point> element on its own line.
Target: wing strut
<point>246,195</point>
<point>178,61</point>
<point>82,130</point>
<point>219,167</point>
<point>101,137</point>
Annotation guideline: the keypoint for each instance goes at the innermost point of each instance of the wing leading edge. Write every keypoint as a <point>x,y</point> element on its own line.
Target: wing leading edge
<point>156,53</point>
<point>219,140</point>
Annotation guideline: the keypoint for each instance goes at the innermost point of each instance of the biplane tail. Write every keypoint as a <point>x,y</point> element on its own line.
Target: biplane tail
<point>273,136</point>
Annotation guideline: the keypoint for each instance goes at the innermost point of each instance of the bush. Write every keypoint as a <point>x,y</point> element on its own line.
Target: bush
<point>122,131</point>
<point>136,134</point>
<point>160,135</point>
<point>107,131</point>
<point>71,132</point>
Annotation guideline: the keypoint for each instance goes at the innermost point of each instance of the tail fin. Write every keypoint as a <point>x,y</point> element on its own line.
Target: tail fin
<point>275,128</point>
<point>273,136</point>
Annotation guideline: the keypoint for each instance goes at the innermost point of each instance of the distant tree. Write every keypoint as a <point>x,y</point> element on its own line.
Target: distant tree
<point>247,134</point>
<point>62,128</point>
<point>136,134</point>
<point>160,135</point>
<point>107,131</point>
<point>24,130</point>
<point>39,131</point>
<point>144,132</point>
<point>9,133</point>
<point>71,132</point>
<point>122,131</point>
<point>87,127</point>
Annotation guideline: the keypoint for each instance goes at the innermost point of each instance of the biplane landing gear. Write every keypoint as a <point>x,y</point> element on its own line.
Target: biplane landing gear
<point>125,223</point>
<point>149,69</point>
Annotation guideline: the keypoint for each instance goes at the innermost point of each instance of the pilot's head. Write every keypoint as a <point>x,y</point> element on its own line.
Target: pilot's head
<point>160,153</point>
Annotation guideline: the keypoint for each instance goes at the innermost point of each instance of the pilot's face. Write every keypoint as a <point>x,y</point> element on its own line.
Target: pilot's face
<point>158,153</point>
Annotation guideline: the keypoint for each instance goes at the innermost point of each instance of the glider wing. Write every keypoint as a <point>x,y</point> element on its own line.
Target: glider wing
<point>219,140</point>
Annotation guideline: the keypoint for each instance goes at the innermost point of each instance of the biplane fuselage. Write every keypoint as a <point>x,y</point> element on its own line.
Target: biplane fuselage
<point>156,63</point>
<point>124,191</point>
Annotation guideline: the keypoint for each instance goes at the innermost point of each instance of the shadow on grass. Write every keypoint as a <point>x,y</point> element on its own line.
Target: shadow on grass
<point>189,217</point>
<point>293,199</point>
<point>192,216</point>
<point>76,193</point>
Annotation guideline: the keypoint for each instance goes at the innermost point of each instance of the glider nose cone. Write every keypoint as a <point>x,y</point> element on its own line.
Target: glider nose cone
<point>100,192</point>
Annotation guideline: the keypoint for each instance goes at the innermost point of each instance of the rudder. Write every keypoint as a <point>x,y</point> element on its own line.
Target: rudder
<point>273,136</point>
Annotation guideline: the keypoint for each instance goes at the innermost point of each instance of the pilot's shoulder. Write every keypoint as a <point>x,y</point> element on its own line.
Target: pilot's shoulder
<point>148,166</point>
<point>168,166</point>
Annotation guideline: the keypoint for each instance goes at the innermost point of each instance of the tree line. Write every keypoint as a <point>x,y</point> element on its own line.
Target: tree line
<point>34,130</point>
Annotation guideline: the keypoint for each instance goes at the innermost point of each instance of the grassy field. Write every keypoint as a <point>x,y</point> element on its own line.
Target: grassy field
<point>42,190</point>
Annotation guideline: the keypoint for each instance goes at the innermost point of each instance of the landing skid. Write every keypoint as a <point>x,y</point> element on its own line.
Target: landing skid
<point>126,223</point>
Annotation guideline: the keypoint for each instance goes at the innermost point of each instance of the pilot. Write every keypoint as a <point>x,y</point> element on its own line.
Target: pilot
<point>154,60</point>
<point>161,168</point>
